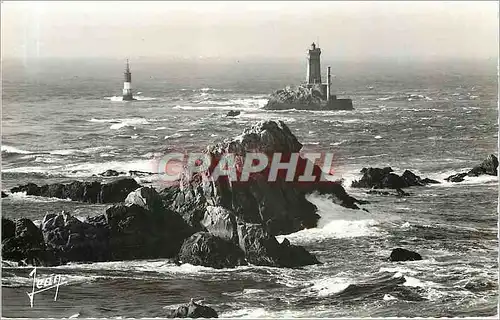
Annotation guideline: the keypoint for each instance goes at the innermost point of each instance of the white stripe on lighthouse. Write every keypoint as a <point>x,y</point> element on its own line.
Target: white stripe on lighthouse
<point>126,86</point>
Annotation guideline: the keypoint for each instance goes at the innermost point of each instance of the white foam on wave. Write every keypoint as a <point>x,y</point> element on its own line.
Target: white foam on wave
<point>335,222</point>
<point>10,149</point>
<point>104,120</point>
<point>327,286</point>
<point>385,98</point>
<point>388,297</point>
<point>89,169</point>
<point>338,143</point>
<point>136,97</point>
<point>22,197</point>
<point>163,266</point>
<point>482,179</point>
<point>128,123</point>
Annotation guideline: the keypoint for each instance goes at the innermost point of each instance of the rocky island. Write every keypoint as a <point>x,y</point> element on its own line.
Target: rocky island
<point>312,95</point>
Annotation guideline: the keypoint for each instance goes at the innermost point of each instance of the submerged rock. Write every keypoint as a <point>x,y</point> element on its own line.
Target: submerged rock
<point>400,254</point>
<point>233,113</point>
<point>192,310</point>
<point>84,191</point>
<point>459,177</point>
<point>111,173</point>
<point>489,166</point>
<point>4,195</point>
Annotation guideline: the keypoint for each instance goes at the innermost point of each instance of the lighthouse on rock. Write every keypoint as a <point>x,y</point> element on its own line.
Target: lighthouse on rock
<point>127,84</point>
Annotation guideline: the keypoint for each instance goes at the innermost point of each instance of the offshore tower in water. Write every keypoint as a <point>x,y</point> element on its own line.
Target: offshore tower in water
<point>313,65</point>
<point>127,84</point>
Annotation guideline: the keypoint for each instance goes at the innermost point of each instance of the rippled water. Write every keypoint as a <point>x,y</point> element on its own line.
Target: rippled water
<point>65,123</point>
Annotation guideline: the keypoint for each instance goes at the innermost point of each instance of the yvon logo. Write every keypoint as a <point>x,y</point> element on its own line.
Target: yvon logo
<point>45,283</point>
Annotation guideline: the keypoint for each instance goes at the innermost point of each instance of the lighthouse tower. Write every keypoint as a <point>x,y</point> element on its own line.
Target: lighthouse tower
<point>127,84</point>
<point>313,65</point>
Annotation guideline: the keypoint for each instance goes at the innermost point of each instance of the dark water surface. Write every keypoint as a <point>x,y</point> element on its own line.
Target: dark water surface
<point>61,121</point>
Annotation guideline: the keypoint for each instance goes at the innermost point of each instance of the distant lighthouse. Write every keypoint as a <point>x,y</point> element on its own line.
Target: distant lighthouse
<point>313,65</point>
<point>127,84</point>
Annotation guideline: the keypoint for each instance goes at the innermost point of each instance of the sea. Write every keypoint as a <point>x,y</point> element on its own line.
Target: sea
<point>63,119</point>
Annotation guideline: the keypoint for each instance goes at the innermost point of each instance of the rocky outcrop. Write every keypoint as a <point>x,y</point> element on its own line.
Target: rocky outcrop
<point>233,113</point>
<point>304,98</point>
<point>207,250</point>
<point>489,166</point>
<point>8,228</point>
<point>400,254</point>
<point>262,249</point>
<point>144,228</point>
<point>384,178</point>
<point>140,228</point>
<point>458,177</point>
<point>70,239</point>
<point>278,205</point>
<point>221,223</point>
<point>110,173</point>
<point>22,242</point>
<point>92,192</point>
<point>192,310</point>
<point>399,193</point>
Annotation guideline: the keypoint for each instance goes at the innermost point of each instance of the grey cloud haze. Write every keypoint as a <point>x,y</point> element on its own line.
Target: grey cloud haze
<point>346,30</point>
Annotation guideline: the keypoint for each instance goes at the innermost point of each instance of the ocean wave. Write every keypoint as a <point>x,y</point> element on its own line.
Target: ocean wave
<point>77,170</point>
<point>14,150</point>
<point>22,197</point>
<point>128,123</point>
<point>136,97</point>
<point>327,286</point>
<point>335,222</point>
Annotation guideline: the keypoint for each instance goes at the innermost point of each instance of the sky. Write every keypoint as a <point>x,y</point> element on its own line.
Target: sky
<point>351,30</point>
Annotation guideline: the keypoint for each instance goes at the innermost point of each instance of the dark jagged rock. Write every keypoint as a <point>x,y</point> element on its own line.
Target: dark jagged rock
<point>143,228</point>
<point>304,98</point>
<point>111,173</point>
<point>70,239</point>
<point>221,223</point>
<point>279,205</point>
<point>402,193</point>
<point>4,195</point>
<point>192,310</point>
<point>8,229</point>
<point>93,192</point>
<point>263,249</point>
<point>384,178</point>
<point>400,254</point>
<point>459,177</point>
<point>233,113</point>
<point>399,193</point>
<point>488,166</point>
<point>140,173</point>
<point>31,189</point>
<point>117,190</point>
<point>430,181</point>
<point>26,246</point>
<point>207,250</point>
